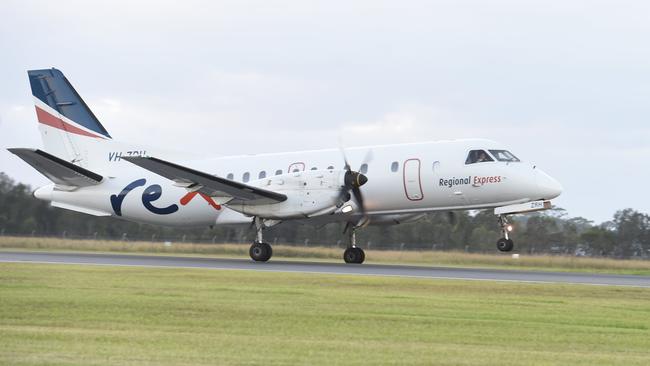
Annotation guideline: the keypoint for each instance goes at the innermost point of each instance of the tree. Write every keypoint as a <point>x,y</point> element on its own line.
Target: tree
<point>632,233</point>
<point>598,241</point>
<point>628,234</point>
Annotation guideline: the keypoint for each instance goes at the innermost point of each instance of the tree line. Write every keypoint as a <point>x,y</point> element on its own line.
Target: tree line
<point>627,235</point>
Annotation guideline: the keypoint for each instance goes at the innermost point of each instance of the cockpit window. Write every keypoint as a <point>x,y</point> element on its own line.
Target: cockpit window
<point>478,156</point>
<point>504,155</point>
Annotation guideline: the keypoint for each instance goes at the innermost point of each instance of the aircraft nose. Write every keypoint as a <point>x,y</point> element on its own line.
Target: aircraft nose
<point>547,186</point>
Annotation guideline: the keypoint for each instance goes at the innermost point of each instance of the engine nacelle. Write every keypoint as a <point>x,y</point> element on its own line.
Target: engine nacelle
<point>309,193</point>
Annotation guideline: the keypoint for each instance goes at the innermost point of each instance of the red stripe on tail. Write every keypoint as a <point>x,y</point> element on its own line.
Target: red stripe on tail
<point>48,119</point>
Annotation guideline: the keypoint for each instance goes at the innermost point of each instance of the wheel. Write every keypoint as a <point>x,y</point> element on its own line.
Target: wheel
<point>354,255</point>
<point>362,255</point>
<point>260,252</point>
<point>505,245</point>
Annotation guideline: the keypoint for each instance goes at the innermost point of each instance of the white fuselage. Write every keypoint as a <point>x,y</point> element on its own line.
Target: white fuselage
<point>403,180</point>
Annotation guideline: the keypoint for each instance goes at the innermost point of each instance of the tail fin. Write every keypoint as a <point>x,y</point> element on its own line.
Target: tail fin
<point>66,123</point>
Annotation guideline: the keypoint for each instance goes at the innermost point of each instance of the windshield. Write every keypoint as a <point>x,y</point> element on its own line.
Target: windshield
<point>477,156</point>
<point>504,155</point>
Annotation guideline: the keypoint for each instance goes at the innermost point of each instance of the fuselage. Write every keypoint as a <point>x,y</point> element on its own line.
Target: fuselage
<point>403,180</point>
<point>94,174</point>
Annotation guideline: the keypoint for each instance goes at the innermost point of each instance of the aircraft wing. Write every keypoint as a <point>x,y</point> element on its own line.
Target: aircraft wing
<point>59,171</point>
<point>208,184</point>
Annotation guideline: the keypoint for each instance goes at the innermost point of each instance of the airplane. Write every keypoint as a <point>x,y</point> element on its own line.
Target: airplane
<point>92,173</point>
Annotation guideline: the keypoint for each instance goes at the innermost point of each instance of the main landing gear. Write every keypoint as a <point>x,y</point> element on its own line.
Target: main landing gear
<point>505,244</point>
<point>353,254</point>
<point>260,251</point>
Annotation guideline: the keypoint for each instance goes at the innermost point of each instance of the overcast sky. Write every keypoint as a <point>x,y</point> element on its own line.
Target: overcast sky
<point>565,84</point>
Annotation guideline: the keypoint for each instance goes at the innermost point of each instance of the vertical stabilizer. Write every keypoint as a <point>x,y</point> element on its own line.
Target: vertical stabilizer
<point>68,127</point>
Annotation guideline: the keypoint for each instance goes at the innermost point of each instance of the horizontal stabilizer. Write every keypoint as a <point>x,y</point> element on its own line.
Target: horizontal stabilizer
<point>59,171</point>
<point>208,184</point>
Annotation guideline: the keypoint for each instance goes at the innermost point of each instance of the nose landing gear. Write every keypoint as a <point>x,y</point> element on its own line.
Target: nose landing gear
<point>505,244</point>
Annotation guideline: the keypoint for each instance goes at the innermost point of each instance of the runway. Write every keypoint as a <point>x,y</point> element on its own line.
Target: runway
<point>326,268</point>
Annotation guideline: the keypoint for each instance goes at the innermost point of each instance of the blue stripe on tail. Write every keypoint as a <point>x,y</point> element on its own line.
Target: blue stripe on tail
<point>53,89</point>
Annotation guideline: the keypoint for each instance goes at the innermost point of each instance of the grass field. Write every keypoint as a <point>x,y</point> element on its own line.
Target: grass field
<point>439,258</point>
<point>92,315</point>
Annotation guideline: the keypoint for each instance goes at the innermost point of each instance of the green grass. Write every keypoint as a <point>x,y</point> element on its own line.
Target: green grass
<point>95,315</point>
<point>437,258</point>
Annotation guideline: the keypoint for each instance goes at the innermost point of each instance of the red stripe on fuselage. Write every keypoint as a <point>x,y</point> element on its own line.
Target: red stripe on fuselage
<point>48,119</point>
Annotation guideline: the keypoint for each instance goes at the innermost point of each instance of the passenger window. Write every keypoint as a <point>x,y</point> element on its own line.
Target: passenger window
<point>278,172</point>
<point>504,155</point>
<point>477,156</point>
<point>394,166</point>
<point>363,169</point>
<point>330,167</point>
<point>262,175</point>
<point>314,168</point>
<point>230,176</point>
<point>246,177</point>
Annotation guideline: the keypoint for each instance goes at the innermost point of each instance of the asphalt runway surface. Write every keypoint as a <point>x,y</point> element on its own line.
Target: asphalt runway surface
<point>326,268</point>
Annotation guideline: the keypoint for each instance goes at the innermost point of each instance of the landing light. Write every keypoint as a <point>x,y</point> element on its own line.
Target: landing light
<point>346,209</point>
<point>509,228</point>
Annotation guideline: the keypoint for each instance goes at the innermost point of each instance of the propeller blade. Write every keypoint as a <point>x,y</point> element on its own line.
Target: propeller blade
<point>358,198</point>
<point>370,155</point>
<point>345,158</point>
<point>344,196</point>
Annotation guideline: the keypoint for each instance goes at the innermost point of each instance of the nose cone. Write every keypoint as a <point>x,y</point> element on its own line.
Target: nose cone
<point>547,186</point>
<point>361,180</point>
<point>355,179</point>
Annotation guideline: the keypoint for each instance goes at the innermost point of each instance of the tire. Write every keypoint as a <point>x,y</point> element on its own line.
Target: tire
<point>362,255</point>
<point>354,255</point>
<point>505,245</point>
<point>350,255</point>
<point>260,252</point>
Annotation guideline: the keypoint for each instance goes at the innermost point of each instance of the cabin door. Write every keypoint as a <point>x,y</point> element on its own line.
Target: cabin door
<point>412,181</point>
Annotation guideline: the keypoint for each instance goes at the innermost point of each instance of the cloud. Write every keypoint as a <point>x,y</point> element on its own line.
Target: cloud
<point>109,105</point>
<point>406,123</point>
<point>564,84</point>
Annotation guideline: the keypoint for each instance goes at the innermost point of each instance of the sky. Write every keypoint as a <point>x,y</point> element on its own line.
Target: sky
<point>564,84</point>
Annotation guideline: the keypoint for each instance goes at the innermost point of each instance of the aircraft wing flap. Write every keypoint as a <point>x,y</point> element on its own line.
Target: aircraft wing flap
<point>59,171</point>
<point>208,184</point>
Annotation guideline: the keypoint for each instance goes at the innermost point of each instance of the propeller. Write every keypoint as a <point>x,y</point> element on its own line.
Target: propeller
<point>352,182</point>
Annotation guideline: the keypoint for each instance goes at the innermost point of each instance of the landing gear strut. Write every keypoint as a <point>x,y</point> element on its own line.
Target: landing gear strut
<point>505,244</point>
<point>260,251</point>
<point>353,254</point>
